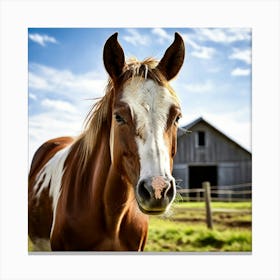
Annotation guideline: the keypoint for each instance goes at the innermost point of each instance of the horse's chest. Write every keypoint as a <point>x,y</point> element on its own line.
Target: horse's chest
<point>121,243</point>
<point>131,236</point>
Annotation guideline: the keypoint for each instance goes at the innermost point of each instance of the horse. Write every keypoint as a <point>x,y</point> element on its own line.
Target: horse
<point>95,192</point>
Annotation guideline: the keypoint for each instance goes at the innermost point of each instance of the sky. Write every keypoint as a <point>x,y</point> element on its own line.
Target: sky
<point>66,73</point>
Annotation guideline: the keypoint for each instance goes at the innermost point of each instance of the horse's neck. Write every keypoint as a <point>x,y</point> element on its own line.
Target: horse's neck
<point>118,200</point>
<point>99,188</point>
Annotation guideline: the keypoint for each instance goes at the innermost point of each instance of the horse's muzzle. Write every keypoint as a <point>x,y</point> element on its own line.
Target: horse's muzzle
<point>155,194</point>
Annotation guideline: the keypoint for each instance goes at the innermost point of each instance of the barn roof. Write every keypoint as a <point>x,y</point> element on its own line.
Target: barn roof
<point>187,129</point>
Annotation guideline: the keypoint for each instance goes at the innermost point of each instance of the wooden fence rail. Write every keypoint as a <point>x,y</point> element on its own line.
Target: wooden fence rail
<point>219,193</point>
<point>207,193</point>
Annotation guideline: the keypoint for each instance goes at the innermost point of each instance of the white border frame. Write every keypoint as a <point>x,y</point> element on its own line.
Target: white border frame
<point>261,16</point>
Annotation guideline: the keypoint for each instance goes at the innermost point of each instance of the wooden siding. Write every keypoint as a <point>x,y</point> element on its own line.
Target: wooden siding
<point>234,164</point>
<point>217,147</point>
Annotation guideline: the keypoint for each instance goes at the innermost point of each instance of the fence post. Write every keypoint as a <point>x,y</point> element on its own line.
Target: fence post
<point>229,196</point>
<point>197,196</point>
<point>207,197</point>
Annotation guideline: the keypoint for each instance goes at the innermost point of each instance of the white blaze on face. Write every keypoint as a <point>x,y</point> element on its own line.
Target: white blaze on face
<point>150,105</point>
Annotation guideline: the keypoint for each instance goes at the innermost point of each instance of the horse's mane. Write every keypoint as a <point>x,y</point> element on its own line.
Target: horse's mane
<point>98,114</point>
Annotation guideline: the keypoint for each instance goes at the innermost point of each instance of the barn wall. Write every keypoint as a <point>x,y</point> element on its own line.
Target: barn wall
<point>218,148</point>
<point>229,173</point>
<point>233,163</point>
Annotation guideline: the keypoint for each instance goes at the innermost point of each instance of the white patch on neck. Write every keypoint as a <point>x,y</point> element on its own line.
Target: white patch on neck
<point>150,104</point>
<point>51,174</point>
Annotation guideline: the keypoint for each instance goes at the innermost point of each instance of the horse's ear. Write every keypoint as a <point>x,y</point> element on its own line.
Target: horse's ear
<point>113,57</point>
<point>173,58</point>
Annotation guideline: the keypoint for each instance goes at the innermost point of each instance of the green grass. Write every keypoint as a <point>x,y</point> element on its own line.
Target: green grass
<point>247,205</point>
<point>185,229</point>
<point>30,245</point>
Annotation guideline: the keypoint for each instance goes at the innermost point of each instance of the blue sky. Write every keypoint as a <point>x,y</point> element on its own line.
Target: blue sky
<point>66,72</point>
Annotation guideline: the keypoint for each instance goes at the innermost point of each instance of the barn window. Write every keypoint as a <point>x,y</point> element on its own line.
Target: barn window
<point>201,138</point>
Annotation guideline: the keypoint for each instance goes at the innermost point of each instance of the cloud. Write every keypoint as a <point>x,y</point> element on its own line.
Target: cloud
<point>36,81</point>
<point>62,99</point>
<point>52,124</point>
<point>232,124</point>
<point>217,35</point>
<point>199,51</point>
<point>203,52</point>
<point>47,80</point>
<point>32,96</point>
<point>229,123</point>
<point>58,105</point>
<point>240,72</point>
<point>214,69</point>
<point>199,87</point>
<point>42,39</point>
<point>223,35</point>
<point>135,38</point>
<point>162,35</point>
<point>244,55</point>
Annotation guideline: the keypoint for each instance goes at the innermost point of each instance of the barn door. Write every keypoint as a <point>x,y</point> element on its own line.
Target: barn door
<point>200,174</point>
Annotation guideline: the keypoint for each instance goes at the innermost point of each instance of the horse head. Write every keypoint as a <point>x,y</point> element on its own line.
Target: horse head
<point>144,121</point>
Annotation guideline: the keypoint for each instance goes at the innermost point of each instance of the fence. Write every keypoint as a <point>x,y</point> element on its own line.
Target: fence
<point>220,193</point>
<point>241,192</point>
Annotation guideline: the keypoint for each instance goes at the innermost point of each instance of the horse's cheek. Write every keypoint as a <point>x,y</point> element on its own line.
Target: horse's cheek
<point>129,159</point>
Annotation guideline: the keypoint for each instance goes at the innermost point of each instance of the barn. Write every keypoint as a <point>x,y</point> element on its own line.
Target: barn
<point>204,153</point>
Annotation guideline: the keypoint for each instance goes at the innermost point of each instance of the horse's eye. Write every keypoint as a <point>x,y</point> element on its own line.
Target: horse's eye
<point>177,119</point>
<point>119,119</point>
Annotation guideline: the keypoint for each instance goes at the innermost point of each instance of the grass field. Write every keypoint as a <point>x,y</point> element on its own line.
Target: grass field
<point>185,229</point>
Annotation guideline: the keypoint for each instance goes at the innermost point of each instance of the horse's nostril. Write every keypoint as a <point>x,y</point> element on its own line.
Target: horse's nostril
<point>169,193</point>
<point>143,191</point>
